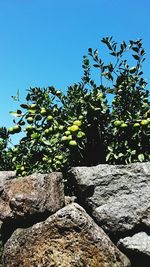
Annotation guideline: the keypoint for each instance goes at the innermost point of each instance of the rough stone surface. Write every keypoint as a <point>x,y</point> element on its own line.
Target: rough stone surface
<point>138,243</point>
<point>68,238</point>
<point>37,193</point>
<point>137,247</point>
<point>5,176</point>
<point>118,197</point>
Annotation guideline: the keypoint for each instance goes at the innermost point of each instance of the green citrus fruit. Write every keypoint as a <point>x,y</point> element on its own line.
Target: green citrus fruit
<point>61,127</point>
<point>29,128</point>
<point>64,138</point>
<point>136,125</point>
<point>49,118</point>
<point>117,123</point>
<point>17,129</point>
<point>58,92</point>
<point>73,143</point>
<point>69,137</point>
<point>33,106</point>
<point>80,134</point>
<point>67,132</point>
<point>81,117</point>
<point>34,135</point>
<point>74,128</point>
<point>24,173</point>
<point>124,125</point>
<point>43,111</point>
<point>77,122</point>
<point>144,122</point>
<point>11,130</point>
<point>22,168</point>
<point>30,120</point>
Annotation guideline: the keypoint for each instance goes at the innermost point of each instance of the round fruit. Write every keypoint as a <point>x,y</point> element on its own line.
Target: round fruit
<point>58,92</point>
<point>15,149</point>
<point>144,122</point>
<point>73,143</point>
<point>22,168</point>
<point>124,125</point>
<point>64,138</point>
<point>29,128</point>
<point>117,123</point>
<point>58,162</point>
<point>34,135</point>
<point>43,111</point>
<point>67,132</point>
<point>60,157</point>
<point>49,118</point>
<point>45,159</point>
<point>136,125</point>
<point>61,127</point>
<point>24,173</point>
<point>33,106</point>
<point>74,128</point>
<point>11,130</point>
<point>80,134</point>
<point>81,117</point>
<point>30,120</point>
<point>77,122</point>
<point>17,129</point>
<point>69,137</point>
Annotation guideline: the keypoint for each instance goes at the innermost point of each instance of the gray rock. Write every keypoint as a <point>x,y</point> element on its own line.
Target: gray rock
<point>68,238</point>
<point>137,247</point>
<point>30,195</point>
<point>118,197</point>
<point>5,176</point>
<point>138,243</point>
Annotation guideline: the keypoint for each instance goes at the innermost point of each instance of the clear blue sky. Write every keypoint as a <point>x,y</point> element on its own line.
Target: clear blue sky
<point>42,41</point>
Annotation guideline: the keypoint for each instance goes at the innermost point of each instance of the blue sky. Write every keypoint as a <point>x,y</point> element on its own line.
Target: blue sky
<point>42,41</point>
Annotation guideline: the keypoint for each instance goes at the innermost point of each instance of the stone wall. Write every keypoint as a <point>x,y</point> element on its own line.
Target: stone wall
<point>106,223</point>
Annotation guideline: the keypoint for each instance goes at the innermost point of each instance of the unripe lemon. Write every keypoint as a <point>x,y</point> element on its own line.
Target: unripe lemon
<point>77,122</point>
<point>30,120</point>
<point>73,143</point>
<point>29,127</point>
<point>24,173</point>
<point>80,134</point>
<point>74,128</point>
<point>144,122</point>
<point>64,138</point>
<point>34,135</point>
<point>124,125</point>
<point>67,132</point>
<point>49,118</point>
<point>43,111</point>
<point>117,123</point>
<point>136,125</point>
<point>61,127</point>
<point>11,130</point>
<point>33,106</point>
<point>17,129</point>
<point>69,137</point>
<point>81,117</point>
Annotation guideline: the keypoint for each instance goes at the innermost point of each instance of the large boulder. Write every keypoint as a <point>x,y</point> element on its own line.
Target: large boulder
<point>137,247</point>
<point>68,238</point>
<point>118,197</point>
<point>30,195</point>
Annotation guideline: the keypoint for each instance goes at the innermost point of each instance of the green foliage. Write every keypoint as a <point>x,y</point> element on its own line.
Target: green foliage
<point>81,127</point>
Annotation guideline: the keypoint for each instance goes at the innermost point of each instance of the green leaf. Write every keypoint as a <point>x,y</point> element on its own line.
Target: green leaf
<point>136,57</point>
<point>15,114</point>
